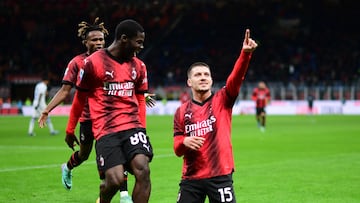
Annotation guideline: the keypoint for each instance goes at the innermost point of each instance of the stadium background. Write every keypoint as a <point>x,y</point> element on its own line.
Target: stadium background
<point>298,159</point>
<point>305,47</point>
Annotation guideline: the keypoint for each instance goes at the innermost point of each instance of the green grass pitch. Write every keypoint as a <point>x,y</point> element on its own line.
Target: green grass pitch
<point>298,159</point>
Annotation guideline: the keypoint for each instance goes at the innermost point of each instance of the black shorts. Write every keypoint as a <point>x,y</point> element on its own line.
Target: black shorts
<point>218,189</point>
<point>86,134</point>
<point>260,110</point>
<point>120,148</point>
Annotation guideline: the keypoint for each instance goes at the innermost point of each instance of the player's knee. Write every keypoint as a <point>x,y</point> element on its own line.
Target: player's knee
<point>142,172</point>
<point>140,167</point>
<point>114,181</point>
<point>114,176</point>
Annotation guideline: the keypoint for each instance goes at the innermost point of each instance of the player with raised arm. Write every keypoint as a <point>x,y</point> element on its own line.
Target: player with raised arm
<point>202,132</point>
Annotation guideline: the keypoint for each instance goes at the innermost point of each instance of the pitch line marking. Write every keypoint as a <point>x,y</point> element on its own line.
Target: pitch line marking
<point>25,168</point>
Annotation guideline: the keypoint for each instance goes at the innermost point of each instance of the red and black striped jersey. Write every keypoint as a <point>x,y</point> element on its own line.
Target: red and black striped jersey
<point>210,119</point>
<point>112,86</point>
<point>70,78</point>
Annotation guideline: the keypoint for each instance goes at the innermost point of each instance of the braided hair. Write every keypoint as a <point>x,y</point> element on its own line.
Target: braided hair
<point>85,28</point>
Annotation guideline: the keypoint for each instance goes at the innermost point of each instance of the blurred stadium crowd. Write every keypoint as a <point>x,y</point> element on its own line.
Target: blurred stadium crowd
<point>310,43</point>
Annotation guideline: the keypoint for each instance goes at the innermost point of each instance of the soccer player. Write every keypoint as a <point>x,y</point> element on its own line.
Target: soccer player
<point>114,81</point>
<point>93,37</point>
<point>202,132</point>
<point>39,105</point>
<point>261,96</point>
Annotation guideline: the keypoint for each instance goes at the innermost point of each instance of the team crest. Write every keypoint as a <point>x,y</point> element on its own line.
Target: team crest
<point>133,73</point>
<point>82,137</point>
<point>101,161</point>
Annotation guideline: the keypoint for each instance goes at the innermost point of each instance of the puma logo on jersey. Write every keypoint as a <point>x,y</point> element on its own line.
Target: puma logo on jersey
<point>110,73</point>
<point>188,115</point>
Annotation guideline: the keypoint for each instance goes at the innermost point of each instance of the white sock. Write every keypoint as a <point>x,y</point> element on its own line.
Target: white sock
<point>124,193</point>
<point>50,125</point>
<point>31,125</point>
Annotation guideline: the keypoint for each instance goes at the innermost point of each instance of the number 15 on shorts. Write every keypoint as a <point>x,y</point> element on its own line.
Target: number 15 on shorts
<point>226,194</point>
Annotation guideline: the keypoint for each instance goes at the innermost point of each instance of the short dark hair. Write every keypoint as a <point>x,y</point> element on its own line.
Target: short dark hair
<point>196,64</point>
<point>129,27</point>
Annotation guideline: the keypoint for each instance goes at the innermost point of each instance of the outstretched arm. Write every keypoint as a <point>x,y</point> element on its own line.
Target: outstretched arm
<point>59,97</point>
<point>237,75</point>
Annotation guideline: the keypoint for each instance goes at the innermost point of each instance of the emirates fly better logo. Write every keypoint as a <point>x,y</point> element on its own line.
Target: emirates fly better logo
<point>119,89</point>
<point>200,128</point>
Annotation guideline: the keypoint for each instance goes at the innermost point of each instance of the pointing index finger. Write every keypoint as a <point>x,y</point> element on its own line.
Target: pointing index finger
<point>247,36</point>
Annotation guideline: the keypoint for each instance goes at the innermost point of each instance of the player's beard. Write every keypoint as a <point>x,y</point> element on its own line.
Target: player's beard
<point>203,89</point>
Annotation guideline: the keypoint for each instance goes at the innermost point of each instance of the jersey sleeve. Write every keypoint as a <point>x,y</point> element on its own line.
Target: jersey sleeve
<point>72,70</point>
<point>85,77</point>
<point>142,108</point>
<point>141,88</point>
<point>237,75</point>
<point>142,84</point>
<point>179,147</point>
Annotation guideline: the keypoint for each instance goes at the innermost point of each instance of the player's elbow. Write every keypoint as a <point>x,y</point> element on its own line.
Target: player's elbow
<point>179,147</point>
<point>178,151</point>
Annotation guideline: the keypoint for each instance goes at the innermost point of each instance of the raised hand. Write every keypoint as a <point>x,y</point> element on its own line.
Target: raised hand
<point>249,45</point>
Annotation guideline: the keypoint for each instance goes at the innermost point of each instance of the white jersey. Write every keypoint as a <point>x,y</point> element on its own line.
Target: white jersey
<point>39,102</point>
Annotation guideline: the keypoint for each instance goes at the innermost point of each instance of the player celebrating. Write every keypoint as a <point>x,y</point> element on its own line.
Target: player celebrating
<point>114,81</point>
<point>202,132</point>
<point>93,37</point>
<point>261,96</point>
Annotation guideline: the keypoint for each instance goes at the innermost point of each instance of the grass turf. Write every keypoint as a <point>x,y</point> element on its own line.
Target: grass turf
<point>297,159</point>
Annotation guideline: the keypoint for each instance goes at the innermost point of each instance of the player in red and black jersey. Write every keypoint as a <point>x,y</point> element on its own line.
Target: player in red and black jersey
<point>114,81</point>
<point>202,132</point>
<point>261,96</point>
<point>93,37</point>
